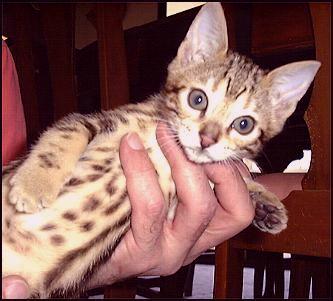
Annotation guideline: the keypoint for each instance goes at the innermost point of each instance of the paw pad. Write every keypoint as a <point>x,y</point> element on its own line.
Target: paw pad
<point>270,218</point>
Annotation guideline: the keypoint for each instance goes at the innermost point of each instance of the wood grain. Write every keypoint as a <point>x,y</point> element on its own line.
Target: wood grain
<point>112,57</point>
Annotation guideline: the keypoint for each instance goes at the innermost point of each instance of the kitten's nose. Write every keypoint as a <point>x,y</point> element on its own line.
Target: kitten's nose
<point>209,134</point>
<point>206,141</point>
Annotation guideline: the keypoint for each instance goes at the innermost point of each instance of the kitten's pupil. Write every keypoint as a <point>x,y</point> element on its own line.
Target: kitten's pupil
<point>243,124</point>
<point>198,100</point>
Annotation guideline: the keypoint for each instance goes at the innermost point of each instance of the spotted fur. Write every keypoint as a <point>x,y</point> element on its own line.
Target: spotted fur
<point>66,207</point>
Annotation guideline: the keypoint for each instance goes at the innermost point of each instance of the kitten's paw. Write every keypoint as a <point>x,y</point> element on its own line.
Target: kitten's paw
<point>28,198</point>
<point>270,213</point>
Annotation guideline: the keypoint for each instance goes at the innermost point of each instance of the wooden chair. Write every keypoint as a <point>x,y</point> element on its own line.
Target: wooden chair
<point>307,237</point>
<point>112,62</point>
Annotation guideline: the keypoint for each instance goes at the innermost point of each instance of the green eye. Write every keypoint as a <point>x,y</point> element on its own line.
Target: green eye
<point>243,125</point>
<point>197,100</point>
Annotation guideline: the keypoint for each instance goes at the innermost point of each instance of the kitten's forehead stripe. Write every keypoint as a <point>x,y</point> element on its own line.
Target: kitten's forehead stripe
<point>241,92</point>
<point>244,74</point>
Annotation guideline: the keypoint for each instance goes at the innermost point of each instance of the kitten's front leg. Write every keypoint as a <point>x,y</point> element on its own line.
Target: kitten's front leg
<point>270,213</point>
<point>37,182</point>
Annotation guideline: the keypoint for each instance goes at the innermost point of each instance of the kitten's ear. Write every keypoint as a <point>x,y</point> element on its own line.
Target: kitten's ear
<point>288,84</point>
<point>207,36</point>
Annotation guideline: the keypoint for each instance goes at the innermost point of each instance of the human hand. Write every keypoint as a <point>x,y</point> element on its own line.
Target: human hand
<point>14,287</point>
<point>157,246</point>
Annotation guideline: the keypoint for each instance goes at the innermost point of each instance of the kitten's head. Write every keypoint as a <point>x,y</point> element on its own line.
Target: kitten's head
<point>223,105</point>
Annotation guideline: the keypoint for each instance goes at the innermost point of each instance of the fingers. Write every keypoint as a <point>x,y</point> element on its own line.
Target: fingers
<point>233,215</point>
<point>230,189</point>
<point>148,206</point>
<point>171,151</point>
<point>243,169</point>
<point>197,201</point>
<point>14,287</point>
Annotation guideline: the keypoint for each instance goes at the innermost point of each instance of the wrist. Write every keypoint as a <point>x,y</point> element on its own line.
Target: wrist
<point>102,277</point>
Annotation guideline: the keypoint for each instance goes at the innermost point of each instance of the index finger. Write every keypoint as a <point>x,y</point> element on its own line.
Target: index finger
<point>197,201</point>
<point>230,189</point>
<point>172,152</point>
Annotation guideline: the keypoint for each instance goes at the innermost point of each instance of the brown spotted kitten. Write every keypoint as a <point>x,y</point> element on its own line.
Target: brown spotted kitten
<point>65,207</point>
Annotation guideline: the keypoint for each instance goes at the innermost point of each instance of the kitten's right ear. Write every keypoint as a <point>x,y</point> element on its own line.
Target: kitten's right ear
<point>206,37</point>
<point>288,84</point>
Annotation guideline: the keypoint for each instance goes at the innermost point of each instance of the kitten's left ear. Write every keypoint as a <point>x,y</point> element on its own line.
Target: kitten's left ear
<point>288,84</point>
<point>206,37</point>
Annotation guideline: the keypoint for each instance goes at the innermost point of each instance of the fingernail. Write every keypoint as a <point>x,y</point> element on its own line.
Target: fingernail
<point>134,141</point>
<point>17,290</point>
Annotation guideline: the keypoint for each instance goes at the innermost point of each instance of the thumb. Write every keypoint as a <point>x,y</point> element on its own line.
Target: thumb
<point>146,197</point>
<point>14,287</point>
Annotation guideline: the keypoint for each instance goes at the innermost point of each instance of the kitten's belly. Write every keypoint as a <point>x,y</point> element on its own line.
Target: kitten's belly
<point>55,236</point>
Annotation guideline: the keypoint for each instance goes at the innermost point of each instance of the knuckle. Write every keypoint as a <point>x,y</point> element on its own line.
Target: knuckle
<point>205,211</point>
<point>156,207</point>
<point>170,269</point>
<point>247,216</point>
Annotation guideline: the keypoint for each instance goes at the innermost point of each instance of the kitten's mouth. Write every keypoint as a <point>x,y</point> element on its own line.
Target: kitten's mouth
<point>198,155</point>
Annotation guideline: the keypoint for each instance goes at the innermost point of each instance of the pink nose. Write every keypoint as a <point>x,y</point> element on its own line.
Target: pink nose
<point>206,141</point>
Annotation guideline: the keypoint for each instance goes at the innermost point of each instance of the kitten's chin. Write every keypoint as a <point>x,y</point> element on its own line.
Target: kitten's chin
<point>198,155</point>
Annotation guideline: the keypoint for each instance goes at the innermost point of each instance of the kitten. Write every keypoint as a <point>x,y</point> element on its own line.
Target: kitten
<point>66,206</point>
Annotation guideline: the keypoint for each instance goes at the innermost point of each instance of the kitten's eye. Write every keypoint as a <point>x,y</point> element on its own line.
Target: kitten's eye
<point>243,125</point>
<point>197,100</point>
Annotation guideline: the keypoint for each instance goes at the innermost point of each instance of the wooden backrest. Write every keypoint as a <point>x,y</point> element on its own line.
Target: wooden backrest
<point>112,57</point>
<point>318,114</point>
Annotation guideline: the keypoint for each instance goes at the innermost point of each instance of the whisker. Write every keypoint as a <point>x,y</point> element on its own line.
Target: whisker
<point>167,148</point>
<point>169,138</point>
